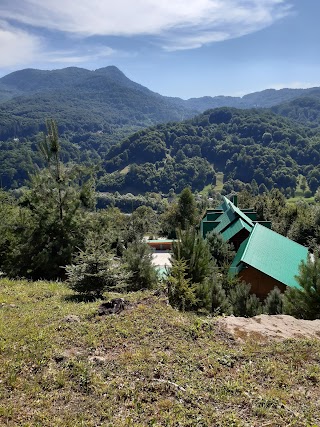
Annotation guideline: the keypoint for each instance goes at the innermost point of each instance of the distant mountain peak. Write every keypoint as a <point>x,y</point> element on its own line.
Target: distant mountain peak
<point>109,69</point>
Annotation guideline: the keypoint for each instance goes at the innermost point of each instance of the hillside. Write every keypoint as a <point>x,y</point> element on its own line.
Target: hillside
<point>97,109</point>
<point>245,145</point>
<point>81,101</point>
<point>63,365</point>
<point>103,101</point>
<point>305,109</point>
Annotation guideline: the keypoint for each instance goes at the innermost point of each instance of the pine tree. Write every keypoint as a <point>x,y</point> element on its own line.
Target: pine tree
<point>274,302</point>
<point>95,269</point>
<point>219,301</point>
<point>187,210</point>
<point>304,302</point>
<point>243,303</point>
<point>220,250</point>
<point>138,260</point>
<point>56,203</point>
<point>181,292</point>
<point>192,248</point>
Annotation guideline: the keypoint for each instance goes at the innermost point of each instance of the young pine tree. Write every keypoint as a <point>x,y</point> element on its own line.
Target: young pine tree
<point>304,302</point>
<point>95,270</point>
<point>138,260</point>
<point>181,292</point>
<point>243,303</point>
<point>274,302</point>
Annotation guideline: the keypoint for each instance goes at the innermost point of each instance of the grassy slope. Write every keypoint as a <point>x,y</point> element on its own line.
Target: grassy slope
<point>148,366</point>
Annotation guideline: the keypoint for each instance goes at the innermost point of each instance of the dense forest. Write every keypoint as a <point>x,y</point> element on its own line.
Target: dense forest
<point>246,145</point>
<point>111,122</point>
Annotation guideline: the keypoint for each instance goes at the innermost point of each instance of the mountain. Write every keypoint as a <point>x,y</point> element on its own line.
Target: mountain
<point>97,109</point>
<point>102,106</point>
<point>103,101</point>
<point>305,109</point>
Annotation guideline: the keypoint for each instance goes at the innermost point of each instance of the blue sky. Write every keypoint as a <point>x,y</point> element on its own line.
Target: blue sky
<point>185,48</point>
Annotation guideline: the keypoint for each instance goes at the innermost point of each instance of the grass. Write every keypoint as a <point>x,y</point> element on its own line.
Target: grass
<point>218,187</point>
<point>148,366</point>
<point>125,170</point>
<point>300,192</point>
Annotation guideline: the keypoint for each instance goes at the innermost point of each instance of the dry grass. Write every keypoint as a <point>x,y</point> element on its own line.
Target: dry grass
<point>148,366</point>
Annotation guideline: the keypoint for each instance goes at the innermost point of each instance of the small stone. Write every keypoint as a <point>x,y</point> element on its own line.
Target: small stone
<point>72,318</point>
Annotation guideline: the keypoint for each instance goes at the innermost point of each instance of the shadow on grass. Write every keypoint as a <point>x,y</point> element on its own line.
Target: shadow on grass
<point>83,298</point>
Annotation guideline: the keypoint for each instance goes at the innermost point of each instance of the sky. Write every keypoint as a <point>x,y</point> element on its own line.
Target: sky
<point>184,48</point>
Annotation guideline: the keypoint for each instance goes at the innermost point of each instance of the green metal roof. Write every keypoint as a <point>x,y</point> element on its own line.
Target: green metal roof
<point>225,220</point>
<point>237,265</point>
<point>234,229</point>
<point>271,253</point>
<point>241,214</point>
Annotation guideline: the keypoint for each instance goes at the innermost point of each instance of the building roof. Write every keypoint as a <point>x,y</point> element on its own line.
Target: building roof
<point>234,229</point>
<point>271,253</point>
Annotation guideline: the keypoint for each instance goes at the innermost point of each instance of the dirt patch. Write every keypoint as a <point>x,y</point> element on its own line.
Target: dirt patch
<point>264,327</point>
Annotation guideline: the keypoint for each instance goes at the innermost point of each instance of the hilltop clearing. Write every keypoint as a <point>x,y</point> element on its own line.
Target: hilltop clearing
<point>150,365</point>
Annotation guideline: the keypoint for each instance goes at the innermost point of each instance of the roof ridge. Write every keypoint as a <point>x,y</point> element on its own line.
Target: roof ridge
<point>247,245</point>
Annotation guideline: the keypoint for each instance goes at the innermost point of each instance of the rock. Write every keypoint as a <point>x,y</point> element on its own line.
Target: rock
<point>72,318</point>
<point>114,306</point>
<point>98,360</point>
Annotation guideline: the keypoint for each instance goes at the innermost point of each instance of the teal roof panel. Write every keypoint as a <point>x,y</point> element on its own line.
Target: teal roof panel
<point>225,220</point>
<point>236,265</point>
<point>234,229</point>
<point>274,255</point>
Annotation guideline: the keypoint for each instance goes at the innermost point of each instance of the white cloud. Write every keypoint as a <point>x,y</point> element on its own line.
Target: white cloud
<point>17,46</point>
<point>180,24</point>
<point>76,57</point>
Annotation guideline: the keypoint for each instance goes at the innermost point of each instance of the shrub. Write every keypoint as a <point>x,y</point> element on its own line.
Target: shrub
<point>95,270</point>
<point>274,302</point>
<point>138,260</point>
<point>304,302</point>
<point>243,303</point>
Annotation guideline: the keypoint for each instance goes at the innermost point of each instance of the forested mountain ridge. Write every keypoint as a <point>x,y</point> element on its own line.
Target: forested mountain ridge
<point>97,109</point>
<point>82,102</point>
<point>246,145</point>
<point>305,109</point>
<point>103,101</point>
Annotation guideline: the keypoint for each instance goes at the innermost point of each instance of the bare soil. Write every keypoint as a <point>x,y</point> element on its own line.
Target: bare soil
<point>265,327</point>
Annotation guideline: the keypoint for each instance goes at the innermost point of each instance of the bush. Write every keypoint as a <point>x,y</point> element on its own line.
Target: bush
<point>274,302</point>
<point>95,270</point>
<point>138,260</point>
<point>243,303</point>
<point>304,302</point>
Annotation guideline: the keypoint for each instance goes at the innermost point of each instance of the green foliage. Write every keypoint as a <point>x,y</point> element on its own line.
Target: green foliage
<point>243,303</point>
<point>192,248</point>
<point>97,109</point>
<point>138,260</point>
<point>220,303</point>
<point>304,302</point>
<point>249,146</point>
<point>95,270</point>
<point>220,250</point>
<point>181,291</point>
<point>273,304</point>
<point>50,224</point>
<point>187,211</point>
